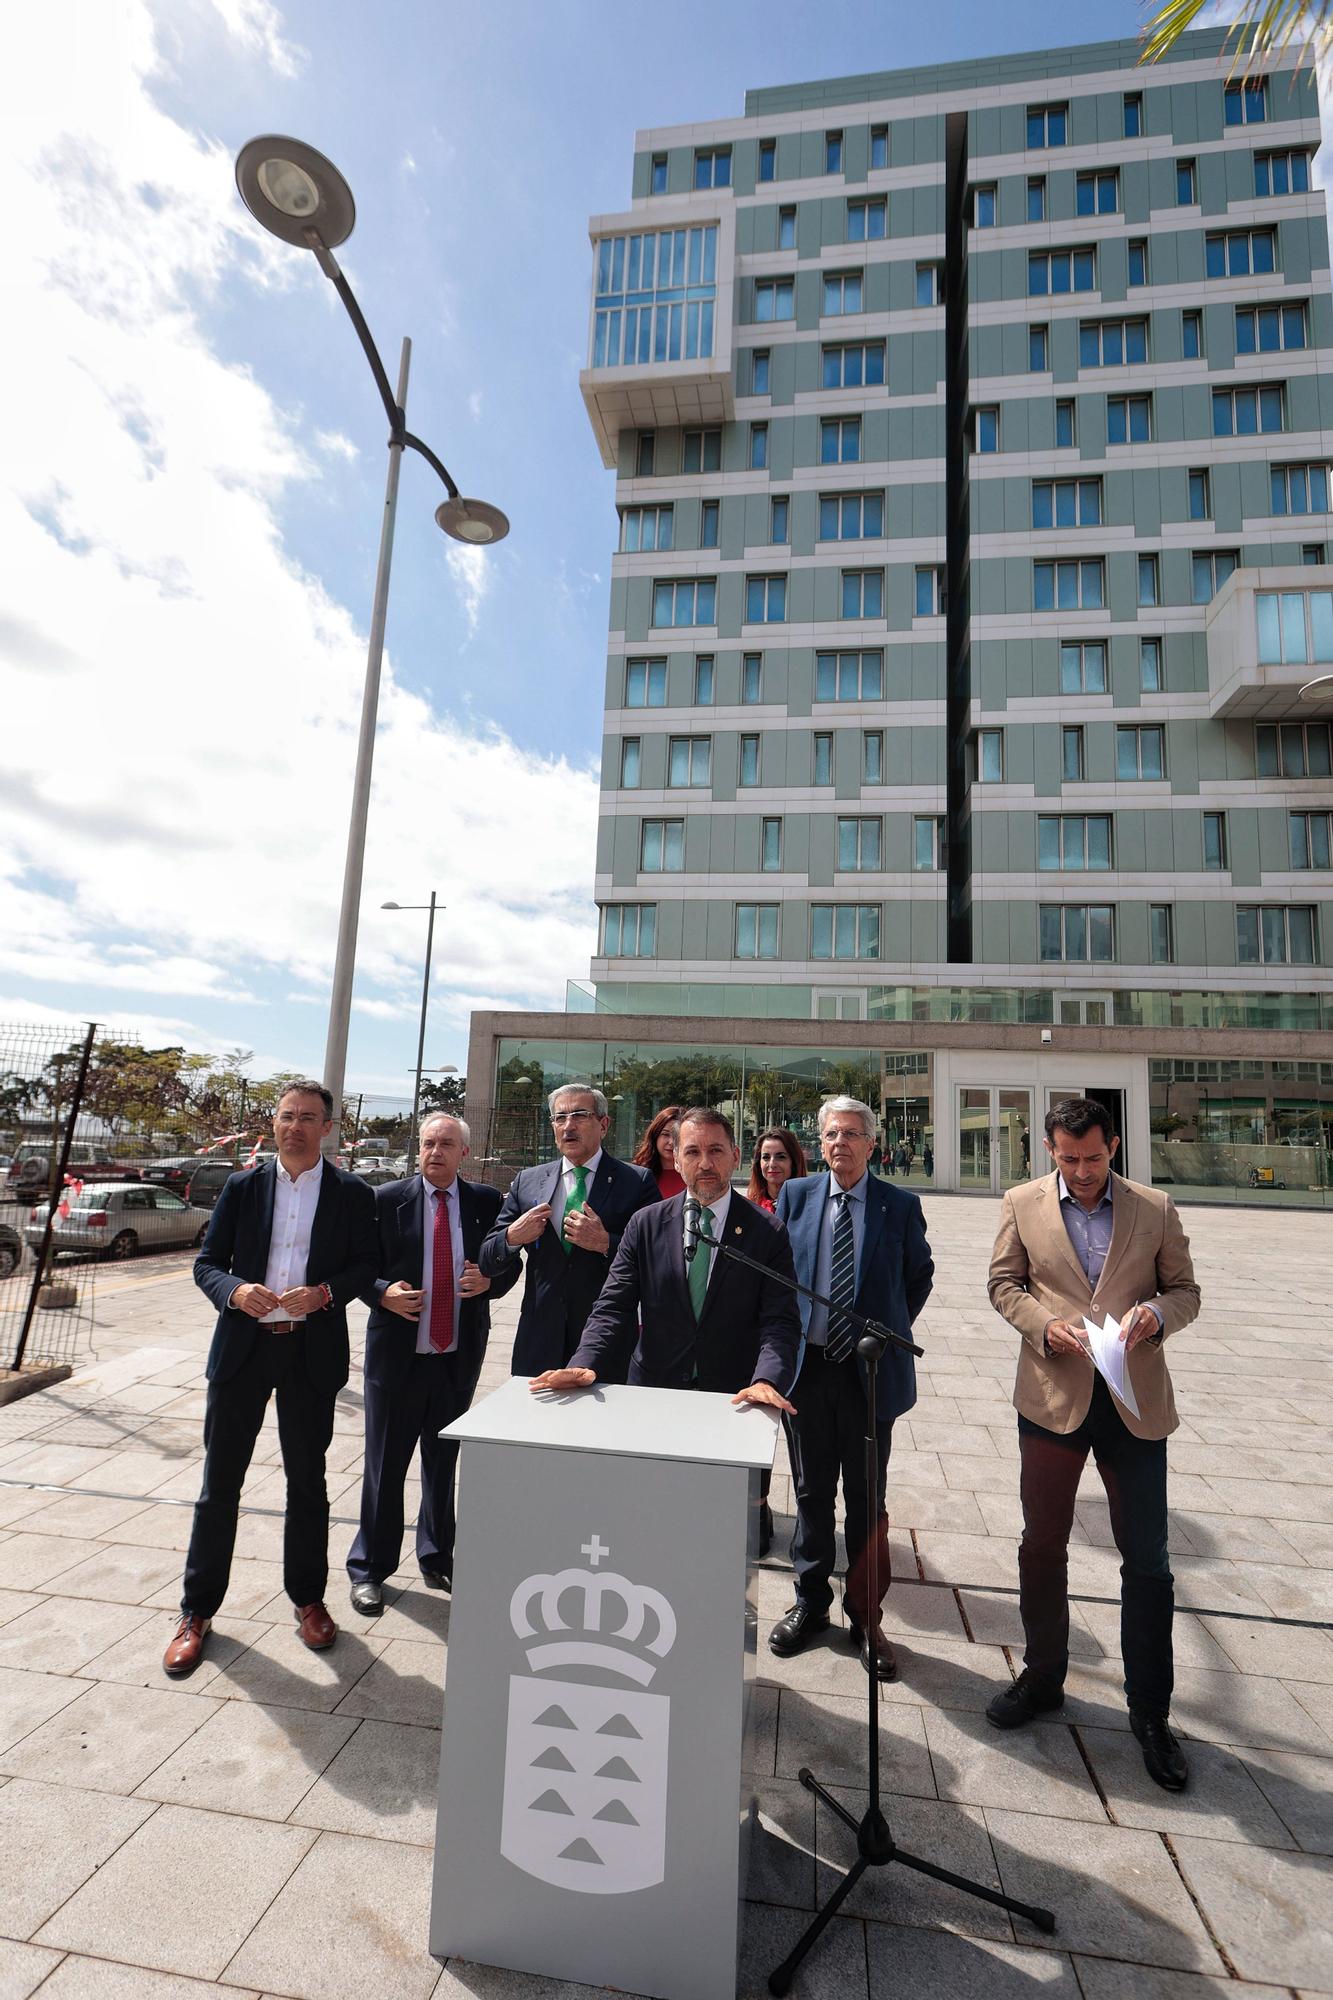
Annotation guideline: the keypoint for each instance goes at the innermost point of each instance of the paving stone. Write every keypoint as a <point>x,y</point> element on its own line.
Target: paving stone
<point>52,1838</point>
<point>66,1632</point>
<point>835,1969</point>
<point>12,1602</point>
<point>1315,1697</point>
<point>17,1503</point>
<point>380,1891</point>
<point>929,1963</point>
<point>137,1658</point>
<point>1037,1770</point>
<point>944,1673</point>
<point>80,1515</point>
<point>1221,1801</point>
<point>28,1699</point>
<point>828,1734</point>
<point>405,1684</point>
<point>383,1784</point>
<point>279,1669</point>
<point>782,1847</point>
<point>1273,1913</point>
<point>1104,1979</point>
<point>30,1561</point>
<point>57,1464</point>
<point>1285,1652</point>
<point>963,1559</point>
<point>120,1574</point>
<point>109,1739</point>
<point>246,1759</point>
<point>23,1967</point>
<point>949,1836</point>
<point>1243,1710</point>
<point>100,1979</point>
<point>1300,1789</point>
<point>1192,1641</point>
<point>252,1585</point>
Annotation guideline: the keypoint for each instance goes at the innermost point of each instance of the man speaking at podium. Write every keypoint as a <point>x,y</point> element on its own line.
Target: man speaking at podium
<point>708,1322</point>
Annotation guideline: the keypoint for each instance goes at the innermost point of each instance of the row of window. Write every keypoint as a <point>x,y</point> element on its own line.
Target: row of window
<point>859,843</point>
<point>1097,192</point>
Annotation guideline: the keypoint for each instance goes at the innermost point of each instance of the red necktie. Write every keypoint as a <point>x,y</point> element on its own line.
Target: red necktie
<point>442,1279</point>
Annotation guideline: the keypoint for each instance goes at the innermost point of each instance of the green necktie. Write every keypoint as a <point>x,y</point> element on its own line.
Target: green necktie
<point>574,1204</point>
<point>699,1268</point>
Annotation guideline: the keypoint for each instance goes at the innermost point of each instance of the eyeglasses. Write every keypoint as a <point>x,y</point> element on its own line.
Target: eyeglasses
<point>571,1117</point>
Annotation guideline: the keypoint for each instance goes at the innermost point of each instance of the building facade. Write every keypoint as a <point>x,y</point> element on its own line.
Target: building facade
<point>971,437</point>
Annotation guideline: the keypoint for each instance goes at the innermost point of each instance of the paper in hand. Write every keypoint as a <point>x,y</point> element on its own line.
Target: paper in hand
<point>1110,1356</point>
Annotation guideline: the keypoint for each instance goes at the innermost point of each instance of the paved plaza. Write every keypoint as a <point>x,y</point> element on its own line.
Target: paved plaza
<point>267,1825</point>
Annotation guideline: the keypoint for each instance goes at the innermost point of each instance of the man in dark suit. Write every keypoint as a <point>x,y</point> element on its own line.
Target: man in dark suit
<point>289,1245</point>
<point>862,1243</point>
<point>568,1214</point>
<point>425,1343</point>
<point>712,1324</point>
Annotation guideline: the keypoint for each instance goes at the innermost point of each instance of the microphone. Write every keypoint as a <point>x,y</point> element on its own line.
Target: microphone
<point>692,1213</point>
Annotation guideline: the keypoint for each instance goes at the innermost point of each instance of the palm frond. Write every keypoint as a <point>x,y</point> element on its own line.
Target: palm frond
<point>1261,31</point>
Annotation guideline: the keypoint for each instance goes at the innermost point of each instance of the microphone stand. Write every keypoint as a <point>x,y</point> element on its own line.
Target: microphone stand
<point>876,1847</point>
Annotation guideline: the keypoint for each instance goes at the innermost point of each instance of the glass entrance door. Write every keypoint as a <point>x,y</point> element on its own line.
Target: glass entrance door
<point>994,1137</point>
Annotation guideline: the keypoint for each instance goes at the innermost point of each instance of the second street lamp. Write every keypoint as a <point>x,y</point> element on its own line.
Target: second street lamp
<point>432,906</point>
<point>302,199</point>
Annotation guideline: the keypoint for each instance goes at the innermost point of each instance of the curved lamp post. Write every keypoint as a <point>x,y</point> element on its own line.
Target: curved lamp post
<point>432,906</point>
<point>302,199</point>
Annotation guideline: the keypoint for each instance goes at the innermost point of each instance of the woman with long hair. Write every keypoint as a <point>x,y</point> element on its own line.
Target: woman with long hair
<point>657,1151</point>
<point>778,1156</point>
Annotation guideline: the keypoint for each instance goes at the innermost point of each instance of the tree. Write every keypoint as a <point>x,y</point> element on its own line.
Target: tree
<point>1261,30</point>
<point>444,1093</point>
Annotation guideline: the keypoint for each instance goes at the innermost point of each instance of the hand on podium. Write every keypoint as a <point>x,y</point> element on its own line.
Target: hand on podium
<point>765,1393</point>
<point>563,1378</point>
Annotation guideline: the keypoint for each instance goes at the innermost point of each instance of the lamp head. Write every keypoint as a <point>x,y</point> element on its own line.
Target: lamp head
<point>388,906</point>
<point>471,521</point>
<point>294,191</point>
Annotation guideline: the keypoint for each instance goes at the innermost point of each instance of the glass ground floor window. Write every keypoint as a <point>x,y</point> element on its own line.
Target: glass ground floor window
<point>1236,1129</point>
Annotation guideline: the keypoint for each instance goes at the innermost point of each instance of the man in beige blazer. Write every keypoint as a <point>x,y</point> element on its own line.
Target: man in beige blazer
<point>1082,1240</point>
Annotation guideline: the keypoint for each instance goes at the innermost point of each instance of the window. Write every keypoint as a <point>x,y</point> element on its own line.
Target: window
<point>930,600</point>
<point>833,152</point>
<point>1269,329</point>
<point>1069,586</point>
<point>1295,626</point>
<point>778,511</point>
<point>644,454</point>
<point>655,296</point>
<point>983,206</point>
<point>1071,755</point>
<point>1187,184</point>
<point>1161,934</point>
<point>1061,271</point>
<point>872,756</point>
<point>844,930</point>
<point>1064,425</point>
<point>1150,666</point>
<point>662,846</point>
<point>1215,842</point>
<point>709,511</point>
<point>629,763</point>
<point>867,221</point>
<point>1066,503</point>
<point>1309,837</point>
<point>629,930</point>
<point>1210,569</point>
<point>774,298</point>
<point>1234,253</point>
<point>990,756</point>
<point>849,676</point>
<point>703,681</point>
<point>752,674</point>
<point>1039,349</point>
<point>1048,125</point>
<point>685,601</point>
<point>1243,412</point>
<point>760,372</point>
<point>713,169</point>
<point>1140,752</point>
<point>842,292</point>
<point>689,760</point>
<point>749,761</point>
<point>1282,173</point>
<point>786,229</point>
<point>850,517</point>
<point>1191,335</point>
<point>839,440</point>
<point>701,451</point>
<point>768,159</point>
<point>1097,193</point>
<point>645,684</point>
<point>879,146</point>
<point>765,600</point>
<point>930,284</point>
<point>1083,667</point>
<point>1200,499</point>
<point>758,447</point>
<point>862,593</point>
<point>986,430</point>
<point>1150,582</point>
<point>1245,103</point>
<point>1133,114</point>
<point>823,758</point>
<point>645,528</point>
<point>1037,198</point>
<point>1076,932</point>
<point>1074,841</point>
<point>929,845</point>
<point>1272,934</point>
<point>1136,261</point>
<point>1312,554</point>
<point>1112,343</point>
<point>658,184</point>
<point>1128,419</point>
<point>770,845</point>
<point>854,367</point>
<point>756,930</point>
<point>1292,750</point>
<point>860,845</point>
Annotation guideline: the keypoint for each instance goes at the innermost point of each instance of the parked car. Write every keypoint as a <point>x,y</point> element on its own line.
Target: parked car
<point>33,1167</point>
<point>207,1182</point>
<point>11,1250</point>
<point>112,1219</point>
<point>177,1172</point>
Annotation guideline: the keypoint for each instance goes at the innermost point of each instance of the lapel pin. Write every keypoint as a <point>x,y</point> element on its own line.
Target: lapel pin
<point>737,1230</point>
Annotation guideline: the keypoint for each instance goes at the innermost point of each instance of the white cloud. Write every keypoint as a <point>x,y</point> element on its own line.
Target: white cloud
<point>336,445</point>
<point>473,572</point>
<point>474,403</point>
<point>257,25</point>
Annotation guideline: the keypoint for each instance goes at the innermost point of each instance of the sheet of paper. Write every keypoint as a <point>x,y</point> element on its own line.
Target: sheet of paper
<point>1111,1359</point>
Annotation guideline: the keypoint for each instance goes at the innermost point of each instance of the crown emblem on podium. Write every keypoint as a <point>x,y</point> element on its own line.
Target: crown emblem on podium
<point>626,1628</point>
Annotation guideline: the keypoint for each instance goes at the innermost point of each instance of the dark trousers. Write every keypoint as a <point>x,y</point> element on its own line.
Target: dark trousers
<point>827,1442</point>
<point>232,1419</point>
<point>1133,1471</point>
<point>411,1413</point>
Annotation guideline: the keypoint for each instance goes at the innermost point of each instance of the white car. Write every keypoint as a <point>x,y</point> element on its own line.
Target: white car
<point>114,1219</point>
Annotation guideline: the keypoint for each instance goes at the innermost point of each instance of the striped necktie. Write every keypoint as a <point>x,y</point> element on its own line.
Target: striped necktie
<point>840,1340</point>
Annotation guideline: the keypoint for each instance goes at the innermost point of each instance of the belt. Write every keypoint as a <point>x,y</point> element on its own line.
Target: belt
<point>282,1325</point>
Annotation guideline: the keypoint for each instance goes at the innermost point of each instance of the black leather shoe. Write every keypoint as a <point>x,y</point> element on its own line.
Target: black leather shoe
<point>794,1632</point>
<point>1163,1758</point>
<point>437,1579</point>
<point>1023,1699</point>
<point>368,1599</point>
<point>885,1658</point>
<point>765,1527</point>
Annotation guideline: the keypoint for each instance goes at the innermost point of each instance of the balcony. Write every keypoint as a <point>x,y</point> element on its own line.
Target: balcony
<point>1269,632</point>
<point>659,334</point>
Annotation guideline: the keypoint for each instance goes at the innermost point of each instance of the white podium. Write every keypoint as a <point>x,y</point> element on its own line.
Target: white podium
<point>595,1799</point>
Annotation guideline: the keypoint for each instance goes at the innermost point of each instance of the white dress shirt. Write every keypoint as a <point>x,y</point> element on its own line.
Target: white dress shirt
<point>564,1188</point>
<point>294,1205</point>
<point>430,1198</point>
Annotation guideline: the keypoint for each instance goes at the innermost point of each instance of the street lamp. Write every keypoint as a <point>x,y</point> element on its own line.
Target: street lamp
<point>425,989</point>
<point>302,199</point>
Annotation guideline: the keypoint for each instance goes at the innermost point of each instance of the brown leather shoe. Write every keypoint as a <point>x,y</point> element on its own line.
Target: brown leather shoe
<point>187,1646</point>
<point>315,1626</point>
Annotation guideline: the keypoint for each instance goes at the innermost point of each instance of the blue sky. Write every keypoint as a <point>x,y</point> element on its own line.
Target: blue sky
<point>192,547</point>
